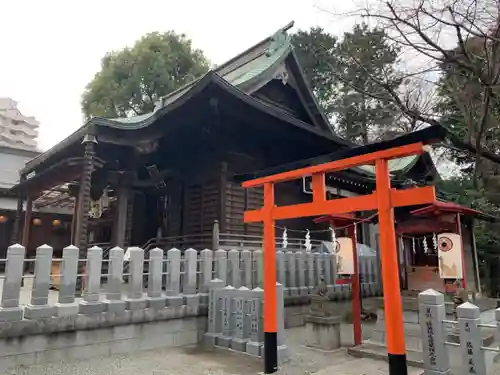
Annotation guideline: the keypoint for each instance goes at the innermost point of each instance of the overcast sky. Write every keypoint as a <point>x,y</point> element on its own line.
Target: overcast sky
<point>49,50</point>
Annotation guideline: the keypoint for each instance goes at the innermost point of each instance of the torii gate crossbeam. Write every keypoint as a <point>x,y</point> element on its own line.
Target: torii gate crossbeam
<point>384,199</point>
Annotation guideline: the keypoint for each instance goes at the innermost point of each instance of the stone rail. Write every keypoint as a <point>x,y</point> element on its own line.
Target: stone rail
<point>163,303</point>
<point>474,356</point>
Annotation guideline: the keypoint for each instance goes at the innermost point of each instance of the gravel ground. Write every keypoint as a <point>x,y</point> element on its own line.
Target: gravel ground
<point>192,361</point>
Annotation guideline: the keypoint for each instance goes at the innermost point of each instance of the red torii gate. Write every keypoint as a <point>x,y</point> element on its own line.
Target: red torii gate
<point>384,199</point>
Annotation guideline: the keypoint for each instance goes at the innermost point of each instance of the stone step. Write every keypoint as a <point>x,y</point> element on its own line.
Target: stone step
<point>369,350</point>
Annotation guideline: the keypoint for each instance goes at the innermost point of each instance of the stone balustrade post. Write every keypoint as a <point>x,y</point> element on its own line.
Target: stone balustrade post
<point>293,290</point>
<point>191,297</point>
<point>155,299</point>
<point>207,262</point>
<point>234,268</point>
<point>91,303</point>
<point>246,260</point>
<point>10,309</point>
<point>114,301</point>
<point>280,267</point>
<point>258,261</point>
<point>255,344</point>
<point>327,263</point>
<point>471,339</point>
<point>39,306</point>
<point>173,298</point>
<point>66,305</point>
<point>318,267</point>
<point>135,299</point>
<point>221,265</point>
<point>301,273</point>
<point>311,279</point>
<point>190,270</point>
<point>431,315</point>
<point>214,328</point>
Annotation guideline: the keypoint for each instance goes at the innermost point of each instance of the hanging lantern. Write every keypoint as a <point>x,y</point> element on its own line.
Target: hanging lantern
<point>426,248</point>
<point>284,242</point>
<point>413,245</point>
<point>450,256</point>
<point>344,252</point>
<point>307,243</point>
<point>56,223</point>
<point>3,219</point>
<point>37,222</point>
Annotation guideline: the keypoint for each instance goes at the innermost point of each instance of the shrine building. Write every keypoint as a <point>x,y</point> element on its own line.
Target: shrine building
<point>169,178</point>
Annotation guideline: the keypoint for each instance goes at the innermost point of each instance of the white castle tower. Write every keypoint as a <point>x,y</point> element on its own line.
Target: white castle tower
<point>17,130</point>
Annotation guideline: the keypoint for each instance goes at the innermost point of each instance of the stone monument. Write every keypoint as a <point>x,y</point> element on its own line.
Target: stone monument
<point>322,324</point>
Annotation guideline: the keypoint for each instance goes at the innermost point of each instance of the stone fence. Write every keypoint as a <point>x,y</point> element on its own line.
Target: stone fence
<point>163,303</point>
<point>176,274</point>
<point>472,355</point>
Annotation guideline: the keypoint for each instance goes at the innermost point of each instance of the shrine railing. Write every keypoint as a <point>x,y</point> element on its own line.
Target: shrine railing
<point>53,284</point>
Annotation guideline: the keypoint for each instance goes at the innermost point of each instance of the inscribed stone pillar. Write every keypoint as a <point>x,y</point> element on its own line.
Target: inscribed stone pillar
<point>214,313</point>
<point>246,260</point>
<point>66,301</point>
<point>227,307</point>
<point>234,268</point>
<point>114,301</point>
<point>173,278</point>
<point>155,299</point>
<point>135,299</point>
<point>471,339</point>
<point>311,279</point>
<point>10,310</point>
<point>293,290</point>
<point>431,315</point>
<point>254,345</point>
<point>301,269</point>
<point>221,265</point>
<point>39,306</point>
<point>258,261</point>
<point>240,337</point>
<point>91,303</point>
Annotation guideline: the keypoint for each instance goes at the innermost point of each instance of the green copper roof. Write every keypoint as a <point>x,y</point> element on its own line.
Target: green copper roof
<point>401,165</point>
<point>278,47</point>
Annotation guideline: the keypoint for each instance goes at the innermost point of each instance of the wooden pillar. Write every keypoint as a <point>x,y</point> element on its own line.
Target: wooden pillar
<point>27,223</point>
<point>223,197</point>
<point>82,217</point>
<point>74,220</point>
<point>130,218</point>
<point>459,232</point>
<point>475,258</point>
<point>19,213</point>
<point>121,216</point>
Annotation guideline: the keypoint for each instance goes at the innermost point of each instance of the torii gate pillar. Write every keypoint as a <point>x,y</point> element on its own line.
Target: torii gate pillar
<point>384,200</point>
